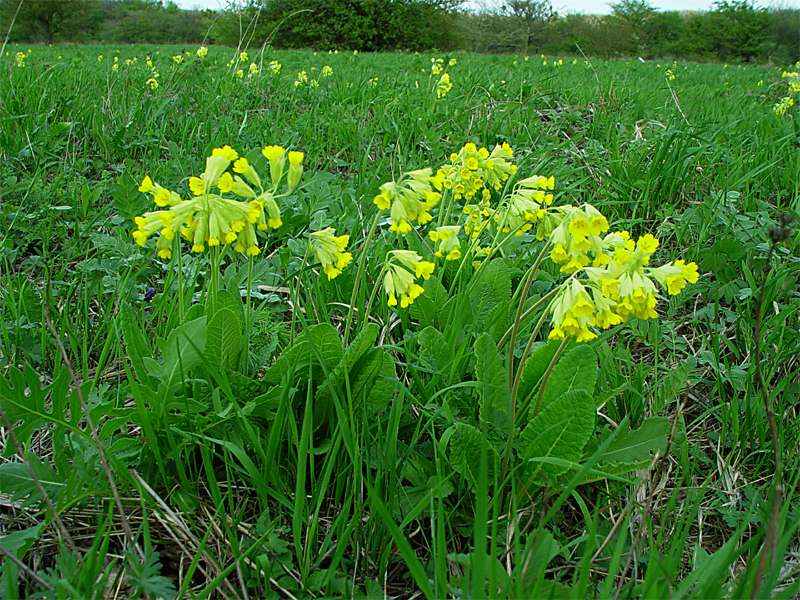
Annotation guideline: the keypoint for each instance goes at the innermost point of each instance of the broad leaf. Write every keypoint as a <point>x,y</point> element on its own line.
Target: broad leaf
<point>427,308</point>
<point>639,445</point>
<point>319,343</point>
<point>493,385</point>
<point>224,339</point>
<point>560,430</point>
<point>575,370</point>
<point>465,451</point>
<point>135,343</point>
<point>534,369</point>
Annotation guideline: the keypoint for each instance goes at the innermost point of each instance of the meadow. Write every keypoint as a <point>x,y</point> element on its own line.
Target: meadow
<point>297,324</point>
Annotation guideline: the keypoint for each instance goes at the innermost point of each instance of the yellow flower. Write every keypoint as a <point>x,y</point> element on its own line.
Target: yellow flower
<point>443,86</point>
<point>147,185</point>
<point>202,52</point>
<point>275,67</point>
<point>295,169</point>
<point>276,158</point>
<point>329,251</point>
<point>398,279</point>
<point>243,57</point>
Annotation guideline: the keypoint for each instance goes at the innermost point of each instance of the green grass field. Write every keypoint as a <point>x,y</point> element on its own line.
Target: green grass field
<point>251,405</point>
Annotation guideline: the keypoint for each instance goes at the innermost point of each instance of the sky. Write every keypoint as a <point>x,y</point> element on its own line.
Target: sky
<point>597,7</point>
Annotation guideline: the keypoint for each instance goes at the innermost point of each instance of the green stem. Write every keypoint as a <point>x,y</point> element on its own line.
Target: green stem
<point>180,278</point>
<point>526,314</point>
<point>361,265</point>
<point>526,288</point>
<point>515,390</point>
<point>296,294</point>
<point>546,376</point>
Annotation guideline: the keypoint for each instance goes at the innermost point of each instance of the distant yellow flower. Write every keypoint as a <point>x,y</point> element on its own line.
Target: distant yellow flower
<point>443,86</point>
<point>275,67</point>
<point>243,57</point>
<point>178,58</point>
<point>202,52</point>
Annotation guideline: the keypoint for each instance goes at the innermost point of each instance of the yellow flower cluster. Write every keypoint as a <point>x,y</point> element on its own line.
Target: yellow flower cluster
<point>793,85</point>
<point>443,86</point>
<point>275,67</point>
<point>472,170</point>
<point>19,57</point>
<point>210,218</point>
<point>327,71</point>
<point>793,79</point>
<point>621,287</point>
<point>410,199</point>
<point>785,104</point>
<point>402,268</point>
<point>448,244</point>
<point>329,251</point>
<point>202,52</point>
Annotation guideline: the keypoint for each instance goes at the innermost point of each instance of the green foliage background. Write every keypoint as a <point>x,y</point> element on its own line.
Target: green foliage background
<point>735,30</point>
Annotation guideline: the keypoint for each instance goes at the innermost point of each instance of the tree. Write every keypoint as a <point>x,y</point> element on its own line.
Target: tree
<point>734,30</point>
<point>46,20</point>
<point>633,16</point>
<point>531,18</point>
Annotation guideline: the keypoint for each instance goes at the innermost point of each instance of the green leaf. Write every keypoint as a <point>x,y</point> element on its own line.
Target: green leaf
<point>672,385</point>
<point>181,351</point>
<point>434,352</point>
<point>465,454</point>
<point>493,384</point>
<point>16,543</point>
<point>355,357</point>
<point>575,370</point>
<point>640,444</point>
<point>318,342</point>
<point>492,288</point>
<point>30,407</point>
<point>224,300</point>
<point>381,373</point>
<point>534,369</point>
<point>224,339</point>
<point>428,308</point>
<point>135,343</point>
<point>607,395</point>
<point>560,430</point>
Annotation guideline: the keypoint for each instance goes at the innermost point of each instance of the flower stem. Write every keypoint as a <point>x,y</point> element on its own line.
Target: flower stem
<point>361,266</point>
<point>515,390</point>
<point>526,288</point>
<point>546,376</point>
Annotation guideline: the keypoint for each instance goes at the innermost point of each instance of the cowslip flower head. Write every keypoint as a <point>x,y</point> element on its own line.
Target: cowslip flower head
<point>276,157</point>
<point>202,52</point>
<point>402,268</point>
<point>211,218</point>
<point>573,313</point>
<point>295,169</point>
<point>449,246</point>
<point>444,86</point>
<point>329,251</point>
<point>409,199</point>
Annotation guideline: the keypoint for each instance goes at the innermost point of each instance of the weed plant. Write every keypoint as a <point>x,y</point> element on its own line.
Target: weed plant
<point>337,380</point>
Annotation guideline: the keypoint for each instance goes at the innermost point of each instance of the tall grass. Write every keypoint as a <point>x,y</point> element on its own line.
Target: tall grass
<point>239,484</point>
